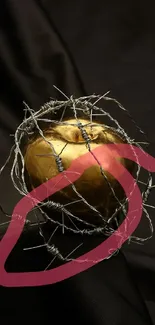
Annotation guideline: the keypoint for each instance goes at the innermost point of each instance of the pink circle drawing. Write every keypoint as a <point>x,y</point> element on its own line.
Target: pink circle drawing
<point>107,156</point>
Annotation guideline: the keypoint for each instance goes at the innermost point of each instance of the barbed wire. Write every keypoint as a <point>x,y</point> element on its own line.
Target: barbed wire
<point>47,114</point>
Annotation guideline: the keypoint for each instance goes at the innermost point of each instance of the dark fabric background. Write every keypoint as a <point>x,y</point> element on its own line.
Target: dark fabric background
<point>82,47</point>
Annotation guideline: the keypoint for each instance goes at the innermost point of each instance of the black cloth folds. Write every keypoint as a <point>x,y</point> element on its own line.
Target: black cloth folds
<point>82,48</point>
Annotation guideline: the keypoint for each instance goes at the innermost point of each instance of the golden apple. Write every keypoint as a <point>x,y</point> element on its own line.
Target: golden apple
<point>69,143</point>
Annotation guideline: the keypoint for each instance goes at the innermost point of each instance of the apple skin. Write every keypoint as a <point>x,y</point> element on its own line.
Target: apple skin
<point>67,141</point>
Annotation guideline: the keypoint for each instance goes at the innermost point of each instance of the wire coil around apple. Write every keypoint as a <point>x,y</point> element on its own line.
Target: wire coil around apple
<point>36,123</point>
